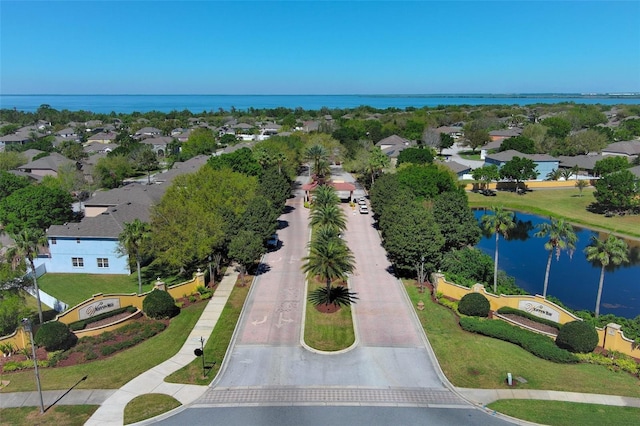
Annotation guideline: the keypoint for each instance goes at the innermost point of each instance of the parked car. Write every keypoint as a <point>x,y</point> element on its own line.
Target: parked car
<point>362,201</point>
<point>272,242</point>
<point>364,210</point>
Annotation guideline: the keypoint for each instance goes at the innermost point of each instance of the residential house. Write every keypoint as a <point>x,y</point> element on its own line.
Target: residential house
<point>453,131</point>
<point>147,132</point>
<point>91,245</point>
<point>46,166</point>
<point>545,163</point>
<point>629,149</point>
<point>585,163</point>
<point>393,145</point>
<point>461,170</point>
<point>102,137</point>
<point>158,144</point>
<point>500,135</point>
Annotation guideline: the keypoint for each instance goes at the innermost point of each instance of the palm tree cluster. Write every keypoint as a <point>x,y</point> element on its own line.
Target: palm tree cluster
<point>329,257</point>
<point>318,157</point>
<point>561,236</point>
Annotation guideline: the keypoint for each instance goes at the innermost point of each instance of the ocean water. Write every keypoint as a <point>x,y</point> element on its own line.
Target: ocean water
<point>200,103</point>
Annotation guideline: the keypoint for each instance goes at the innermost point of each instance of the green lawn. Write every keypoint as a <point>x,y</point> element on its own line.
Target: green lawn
<point>470,155</point>
<point>216,345</point>
<point>328,331</point>
<point>475,361</point>
<point>147,406</point>
<point>117,370</point>
<point>556,413</point>
<point>75,288</point>
<point>68,415</point>
<point>564,203</point>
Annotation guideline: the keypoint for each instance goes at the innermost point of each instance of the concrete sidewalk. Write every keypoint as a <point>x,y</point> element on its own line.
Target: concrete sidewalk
<point>111,411</point>
<point>487,396</point>
<point>75,397</point>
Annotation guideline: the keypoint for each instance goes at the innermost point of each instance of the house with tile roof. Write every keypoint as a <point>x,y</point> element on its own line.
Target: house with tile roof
<point>544,162</point>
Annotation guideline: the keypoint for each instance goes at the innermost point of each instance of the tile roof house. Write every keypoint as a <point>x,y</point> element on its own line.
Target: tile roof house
<point>544,162</point>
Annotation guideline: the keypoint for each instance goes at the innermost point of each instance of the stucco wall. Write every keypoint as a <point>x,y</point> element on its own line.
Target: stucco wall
<point>89,249</point>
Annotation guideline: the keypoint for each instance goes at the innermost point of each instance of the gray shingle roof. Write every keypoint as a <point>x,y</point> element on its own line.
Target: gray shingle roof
<point>624,147</point>
<point>509,154</point>
<point>51,162</point>
<point>394,140</point>
<point>147,195</point>
<point>585,162</point>
<point>106,225</point>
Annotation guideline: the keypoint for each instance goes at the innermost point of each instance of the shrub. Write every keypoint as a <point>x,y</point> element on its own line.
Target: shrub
<point>539,345</point>
<point>54,335</point>
<point>82,324</point>
<point>474,304</point>
<point>577,336</point>
<point>159,304</point>
<point>523,314</point>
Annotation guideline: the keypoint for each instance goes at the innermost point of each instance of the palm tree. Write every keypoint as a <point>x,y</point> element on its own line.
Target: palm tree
<point>581,184</point>
<point>561,237</point>
<point>613,250</point>
<point>330,215</point>
<point>325,195</point>
<point>330,260</point>
<point>500,222</point>
<point>133,241</point>
<point>555,174</point>
<point>26,246</point>
<point>316,154</point>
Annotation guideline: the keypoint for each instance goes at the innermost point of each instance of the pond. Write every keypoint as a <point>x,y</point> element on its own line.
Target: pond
<point>572,280</point>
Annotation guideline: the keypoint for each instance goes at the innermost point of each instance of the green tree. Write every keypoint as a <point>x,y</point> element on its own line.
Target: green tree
<point>245,248</point>
<point>410,235</point>
<point>519,169</point>
<point>260,217</point>
<point>201,141</point>
<point>560,236</point>
<point>605,252</point>
<point>457,223</point>
<point>315,155</point>
<point>446,142</point>
<point>475,135</point>
<point>609,165</point>
<point>240,161</point>
<point>12,309</point>
<point>11,160</point>
<point>498,223</point>
<point>325,195</point>
<point>35,206</point>
<point>328,215</point>
<point>27,241</point>
<point>486,175</point>
<point>145,160</point>
<point>581,184</point>
<point>415,156</point>
<point>72,150</point>
<point>134,241</point>
<point>427,181</point>
<point>520,144</point>
<point>617,191</point>
<point>377,162</point>
<point>557,127</point>
<point>276,187</point>
<point>9,183</point>
<point>228,139</point>
<point>110,171</point>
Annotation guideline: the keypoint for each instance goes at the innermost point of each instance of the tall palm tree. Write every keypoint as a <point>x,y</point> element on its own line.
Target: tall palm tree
<point>613,250</point>
<point>133,241</point>
<point>330,215</point>
<point>26,246</point>
<point>330,260</point>
<point>316,154</point>
<point>325,195</point>
<point>561,237</point>
<point>500,222</point>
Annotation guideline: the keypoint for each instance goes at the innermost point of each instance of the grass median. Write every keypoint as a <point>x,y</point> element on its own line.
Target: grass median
<point>68,415</point>
<point>327,331</point>
<point>474,361</point>
<point>565,203</point>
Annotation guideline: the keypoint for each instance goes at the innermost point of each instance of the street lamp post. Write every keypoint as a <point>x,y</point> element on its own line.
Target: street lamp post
<point>26,323</point>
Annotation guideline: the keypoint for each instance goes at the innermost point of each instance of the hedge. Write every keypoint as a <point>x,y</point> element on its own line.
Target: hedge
<point>577,336</point>
<point>82,324</point>
<point>539,345</point>
<point>524,314</point>
<point>474,304</point>
<point>54,335</point>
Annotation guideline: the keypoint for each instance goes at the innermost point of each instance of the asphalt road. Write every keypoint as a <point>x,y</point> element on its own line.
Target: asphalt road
<point>270,377</point>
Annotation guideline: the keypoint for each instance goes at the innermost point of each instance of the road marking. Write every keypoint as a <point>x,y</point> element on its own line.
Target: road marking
<point>283,320</point>
<point>256,322</point>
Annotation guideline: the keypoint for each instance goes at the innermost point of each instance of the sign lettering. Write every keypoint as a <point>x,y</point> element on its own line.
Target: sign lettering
<point>99,307</point>
<point>540,310</point>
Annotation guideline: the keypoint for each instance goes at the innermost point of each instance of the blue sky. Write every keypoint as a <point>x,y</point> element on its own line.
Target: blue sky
<point>319,47</point>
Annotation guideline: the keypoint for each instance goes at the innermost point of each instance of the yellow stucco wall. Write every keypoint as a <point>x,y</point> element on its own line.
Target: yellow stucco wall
<point>533,184</point>
<point>610,338</point>
<point>176,291</point>
<point>108,327</point>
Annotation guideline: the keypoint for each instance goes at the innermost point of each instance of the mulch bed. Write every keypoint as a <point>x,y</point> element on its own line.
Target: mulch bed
<point>531,324</point>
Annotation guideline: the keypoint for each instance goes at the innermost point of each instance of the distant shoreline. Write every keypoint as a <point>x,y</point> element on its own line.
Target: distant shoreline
<point>389,95</point>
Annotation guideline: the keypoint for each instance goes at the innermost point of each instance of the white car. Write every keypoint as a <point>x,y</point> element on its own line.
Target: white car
<point>364,209</point>
<point>362,201</point>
